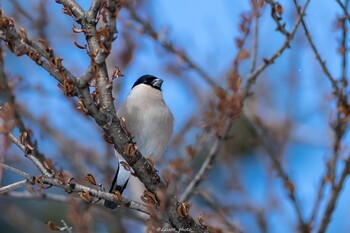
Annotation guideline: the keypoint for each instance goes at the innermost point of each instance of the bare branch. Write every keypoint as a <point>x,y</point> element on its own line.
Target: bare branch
<point>343,50</point>
<point>206,165</point>
<point>251,79</point>
<point>15,170</point>
<point>288,184</point>
<point>38,195</point>
<point>255,36</point>
<point>38,163</point>
<point>186,195</point>
<point>332,201</point>
<point>66,227</point>
<point>133,205</point>
<point>276,18</point>
<point>35,52</point>
<point>316,209</point>
<point>318,56</point>
<point>13,186</point>
<point>344,7</point>
<point>70,187</point>
<point>339,126</point>
<point>73,187</point>
<point>213,203</point>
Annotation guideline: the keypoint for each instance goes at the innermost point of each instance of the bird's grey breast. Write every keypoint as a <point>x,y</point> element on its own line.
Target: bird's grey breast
<point>150,121</point>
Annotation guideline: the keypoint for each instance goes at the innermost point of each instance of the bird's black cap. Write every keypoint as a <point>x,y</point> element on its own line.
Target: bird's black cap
<point>149,80</point>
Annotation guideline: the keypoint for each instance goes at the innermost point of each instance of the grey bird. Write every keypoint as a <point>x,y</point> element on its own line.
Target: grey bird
<point>150,122</point>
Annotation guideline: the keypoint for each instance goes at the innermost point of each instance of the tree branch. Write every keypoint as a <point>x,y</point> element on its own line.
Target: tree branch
<point>15,170</point>
<point>13,186</point>
<point>344,49</point>
<point>206,165</point>
<point>318,56</point>
<point>251,79</point>
<point>39,195</point>
<point>68,186</point>
<point>37,162</point>
<point>277,19</point>
<point>332,201</point>
<point>255,36</point>
<point>288,184</point>
<point>344,8</point>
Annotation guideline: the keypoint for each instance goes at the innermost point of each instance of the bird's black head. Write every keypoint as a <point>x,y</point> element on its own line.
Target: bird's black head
<point>149,80</point>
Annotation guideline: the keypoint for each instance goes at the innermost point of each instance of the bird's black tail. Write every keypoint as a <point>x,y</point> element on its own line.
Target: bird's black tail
<point>117,185</point>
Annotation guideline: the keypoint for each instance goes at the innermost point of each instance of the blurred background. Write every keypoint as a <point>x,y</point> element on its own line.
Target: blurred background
<point>184,43</point>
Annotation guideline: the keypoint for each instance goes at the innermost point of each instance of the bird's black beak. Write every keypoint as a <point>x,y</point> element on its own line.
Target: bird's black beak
<point>157,83</point>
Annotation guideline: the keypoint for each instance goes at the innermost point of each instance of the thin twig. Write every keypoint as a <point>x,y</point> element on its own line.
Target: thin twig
<point>206,165</point>
<point>344,50</point>
<point>318,56</point>
<point>7,95</point>
<point>62,198</point>
<point>318,200</point>
<point>33,158</point>
<point>39,195</point>
<point>95,192</point>
<point>15,170</point>
<point>255,36</point>
<point>332,201</point>
<point>48,177</point>
<point>345,9</point>
<point>66,227</point>
<point>210,200</point>
<point>186,195</point>
<point>338,126</point>
<point>13,186</point>
<point>39,23</point>
<point>35,52</point>
<point>277,19</point>
<point>251,79</point>
<point>20,9</point>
